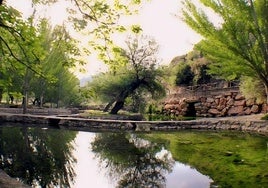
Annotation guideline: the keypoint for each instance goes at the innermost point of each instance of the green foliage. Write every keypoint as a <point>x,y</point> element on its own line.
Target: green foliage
<point>105,86</point>
<point>136,29</point>
<point>236,46</point>
<point>60,54</point>
<point>189,69</point>
<point>37,59</point>
<point>137,77</point>
<point>248,85</point>
<point>265,117</point>
<point>185,75</point>
<point>100,19</point>
<point>44,50</point>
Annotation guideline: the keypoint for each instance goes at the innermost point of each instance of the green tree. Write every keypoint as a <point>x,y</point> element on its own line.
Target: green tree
<point>138,73</point>
<point>185,75</point>
<point>16,44</point>
<point>60,53</point>
<point>100,20</point>
<point>238,46</point>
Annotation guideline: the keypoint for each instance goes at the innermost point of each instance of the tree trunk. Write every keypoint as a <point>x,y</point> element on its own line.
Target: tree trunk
<point>118,106</point>
<point>1,95</point>
<point>106,109</point>
<point>24,102</point>
<point>25,91</point>
<point>43,84</point>
<point>266,92</point>
<point>120,100</point>
<point>41,101</point>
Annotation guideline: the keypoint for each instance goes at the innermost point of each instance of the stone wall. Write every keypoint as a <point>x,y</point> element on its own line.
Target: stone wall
<point>219,103</point>
<point>247,123</point>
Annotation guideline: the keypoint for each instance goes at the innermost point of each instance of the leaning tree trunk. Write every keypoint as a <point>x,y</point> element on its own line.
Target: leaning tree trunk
<point>108,106</point>
<point>118,106</point>
<point>124,94</point>
<point>120,100</point>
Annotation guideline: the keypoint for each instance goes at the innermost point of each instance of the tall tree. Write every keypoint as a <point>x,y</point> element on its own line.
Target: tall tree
<point>239,45</point>
<point>140,56</point>
<point>138,72</point>
<point>60,53</point>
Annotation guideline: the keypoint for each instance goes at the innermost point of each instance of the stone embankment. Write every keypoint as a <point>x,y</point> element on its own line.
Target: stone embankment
<point>243,123</point>
<point>212,103</point>
<point>41,111</point>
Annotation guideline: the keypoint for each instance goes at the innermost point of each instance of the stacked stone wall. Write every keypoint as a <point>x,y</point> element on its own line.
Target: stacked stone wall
<point>209,104</point>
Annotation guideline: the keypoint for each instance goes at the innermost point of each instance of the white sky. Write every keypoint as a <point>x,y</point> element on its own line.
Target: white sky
<point>157,19</point>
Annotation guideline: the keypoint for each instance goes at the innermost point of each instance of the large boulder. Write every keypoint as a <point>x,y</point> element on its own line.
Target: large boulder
<point>235,110</point>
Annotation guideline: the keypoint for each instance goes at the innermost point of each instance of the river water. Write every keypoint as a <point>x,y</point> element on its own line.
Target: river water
<point>43,157</point>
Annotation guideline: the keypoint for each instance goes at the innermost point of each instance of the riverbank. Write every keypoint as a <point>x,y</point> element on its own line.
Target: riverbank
<point>250,123</point>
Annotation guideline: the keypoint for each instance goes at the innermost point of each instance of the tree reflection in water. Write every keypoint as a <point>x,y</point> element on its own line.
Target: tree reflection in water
<point>38,157</point>
<point>132,161</point>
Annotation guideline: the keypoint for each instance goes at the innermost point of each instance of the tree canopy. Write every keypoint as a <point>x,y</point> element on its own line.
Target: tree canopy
<point>41,56</point>
<point>138,74</point>
<point>238,46</point>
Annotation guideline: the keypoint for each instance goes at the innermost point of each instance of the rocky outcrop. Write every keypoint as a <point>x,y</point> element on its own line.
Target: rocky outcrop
<point>217,104</point>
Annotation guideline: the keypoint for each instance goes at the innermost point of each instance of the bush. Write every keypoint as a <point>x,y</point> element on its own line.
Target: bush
<point>185,75</point>
<point>265,117</point>
<point>248,84</point>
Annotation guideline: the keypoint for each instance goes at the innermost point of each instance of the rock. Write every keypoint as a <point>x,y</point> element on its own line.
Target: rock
<point>235,110</point>
<point>264,108</point>
<point>217,101</point>
<point>255,109</point>
<point>229,94</point>
<point>247,111</point>
<point>239,97</point>
<point>174,101</point>
<point>230,102</point>
<point>222,101</point>
<point>214,111</point>
<point>234,94</point>
<point>240,103</point>
<point>210,100</point>
<point>220,107</point>
<point>203,99</point>
<point>168,106</point>
<point>183,105</point>
<point>218,96</point>
<point>224,112</point>
<point>250,102</point>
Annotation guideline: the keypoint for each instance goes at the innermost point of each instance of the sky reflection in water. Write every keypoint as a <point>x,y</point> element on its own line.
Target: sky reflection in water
<point>89,173</point>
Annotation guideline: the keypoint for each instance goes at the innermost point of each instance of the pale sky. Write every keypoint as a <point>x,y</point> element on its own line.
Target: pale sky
<point>157,19</point>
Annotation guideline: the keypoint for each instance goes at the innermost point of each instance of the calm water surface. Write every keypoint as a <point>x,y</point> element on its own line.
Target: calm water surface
<point>188,159</point>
